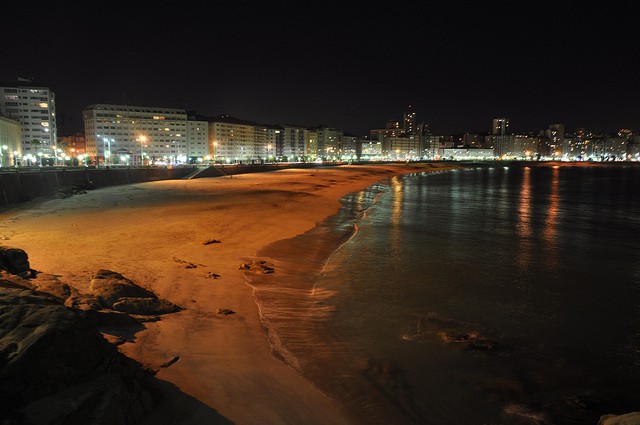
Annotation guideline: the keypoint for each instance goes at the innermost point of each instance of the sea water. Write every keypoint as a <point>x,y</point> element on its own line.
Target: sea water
<point>488,295</point>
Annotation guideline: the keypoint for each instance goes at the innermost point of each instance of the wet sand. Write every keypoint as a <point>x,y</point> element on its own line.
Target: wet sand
<point>154,234</point>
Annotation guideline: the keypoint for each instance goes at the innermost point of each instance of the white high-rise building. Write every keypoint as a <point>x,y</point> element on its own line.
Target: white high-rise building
<point>34,107</point>
<point>198,141</point>
<point>120,134</point>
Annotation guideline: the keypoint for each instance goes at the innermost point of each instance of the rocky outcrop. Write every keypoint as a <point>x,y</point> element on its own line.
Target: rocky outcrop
<point>56,368</point>
<point>14,261</point>
<point>116,292</point>
<point>110,286</point>
<point>51,285</point>
<point>55,365</point>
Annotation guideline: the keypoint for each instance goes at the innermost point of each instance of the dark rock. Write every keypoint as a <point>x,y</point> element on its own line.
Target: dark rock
<point>187,264</point>
<point>471,340</point>
<point>106,320</point>
<point>145,306</point>
<point>225,311</point>
<point>258,267</point>
<point>51,285</point>
<point>110,286</point>
<point>15,261</point>
<point>210,241</point>
<point>170,362</point>
<point>56,368</point>
<point>8,280</point>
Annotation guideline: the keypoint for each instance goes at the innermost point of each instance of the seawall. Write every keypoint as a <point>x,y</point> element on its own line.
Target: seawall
<point>24,184</point>
<point>21,185</point>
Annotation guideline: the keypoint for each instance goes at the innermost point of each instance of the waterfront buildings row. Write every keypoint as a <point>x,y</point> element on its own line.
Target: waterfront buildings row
<point>124,134</point>
<point>116,134</point>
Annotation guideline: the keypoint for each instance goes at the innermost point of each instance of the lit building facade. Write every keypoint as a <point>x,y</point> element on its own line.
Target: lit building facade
<point>294,142</point>
<point>429,145</point>
<point>198,148</point>
<point>350,147</point>
<point>371,149</point>
<point>402,147</point>
<point>555,140</point>
<point>236,140</point>
<point>120,134</point>
<point>409,121</point>
<point>268,138</point>
<point>10,142</point>
<point>500,126</point>
<point>466,153</point>
<point>71,149</point>
<point>329,142</point>
<point>34,107</point>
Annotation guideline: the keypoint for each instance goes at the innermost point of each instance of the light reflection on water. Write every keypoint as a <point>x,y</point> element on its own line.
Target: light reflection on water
<point>516,256</point>
<point>538,264</point>
<point>396,215</point>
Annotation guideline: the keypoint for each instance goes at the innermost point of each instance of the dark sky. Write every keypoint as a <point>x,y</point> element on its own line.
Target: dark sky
<point>352,66</point>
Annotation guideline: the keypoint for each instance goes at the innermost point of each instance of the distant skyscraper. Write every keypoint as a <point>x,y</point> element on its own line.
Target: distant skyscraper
<point>555,135</point>
<point>424,129</point>
<point>500,126</point>
<point>409,122</point>
<point>34,107</point>
<point>393,124</point>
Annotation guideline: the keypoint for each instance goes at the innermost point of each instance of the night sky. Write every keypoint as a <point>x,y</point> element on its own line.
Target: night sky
<point>351,67</point>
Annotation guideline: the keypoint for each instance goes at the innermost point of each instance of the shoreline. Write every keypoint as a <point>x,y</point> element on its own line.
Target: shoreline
<point>296,310</point>
<point>144,230</point>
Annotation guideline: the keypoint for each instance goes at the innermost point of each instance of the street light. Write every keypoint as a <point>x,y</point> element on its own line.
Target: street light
<point>107,153</point>
<point>4,148</point>
<point>215,145</point>
<point>142,139</point>
<point>268,152</point>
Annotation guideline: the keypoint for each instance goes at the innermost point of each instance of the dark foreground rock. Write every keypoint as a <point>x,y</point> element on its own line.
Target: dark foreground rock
<point>15,261</point>
<point>55,367</point>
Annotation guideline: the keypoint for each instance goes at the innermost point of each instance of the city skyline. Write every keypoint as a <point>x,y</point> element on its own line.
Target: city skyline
<point>348,67</point>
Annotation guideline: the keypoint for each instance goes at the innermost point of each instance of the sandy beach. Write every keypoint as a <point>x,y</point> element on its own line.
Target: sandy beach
<point>154,234</point>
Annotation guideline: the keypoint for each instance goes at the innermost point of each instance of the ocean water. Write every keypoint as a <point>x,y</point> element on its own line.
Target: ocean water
<point>475,296</point>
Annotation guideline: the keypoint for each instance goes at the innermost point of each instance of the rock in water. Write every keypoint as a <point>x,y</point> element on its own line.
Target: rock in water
<point>56,368</point>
